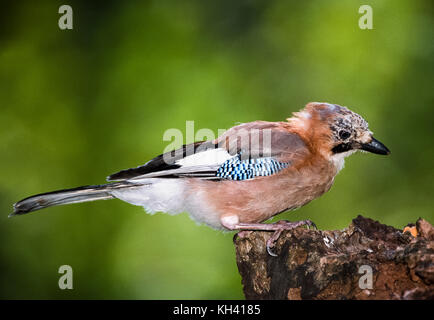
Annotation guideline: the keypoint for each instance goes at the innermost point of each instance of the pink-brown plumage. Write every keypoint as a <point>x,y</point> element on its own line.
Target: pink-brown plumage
<point>247,175</point>
<point>310,175</point>
<point>258,200</point>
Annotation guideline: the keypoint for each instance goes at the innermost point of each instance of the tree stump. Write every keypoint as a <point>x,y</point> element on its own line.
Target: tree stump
<point>367,260</point>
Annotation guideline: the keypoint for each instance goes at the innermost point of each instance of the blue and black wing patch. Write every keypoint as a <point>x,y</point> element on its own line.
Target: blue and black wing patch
<point>237,169</point>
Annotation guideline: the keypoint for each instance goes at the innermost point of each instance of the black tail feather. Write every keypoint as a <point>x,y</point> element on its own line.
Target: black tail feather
<point>66,196</point>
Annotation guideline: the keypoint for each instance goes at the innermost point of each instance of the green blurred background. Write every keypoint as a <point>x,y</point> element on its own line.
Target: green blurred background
<point>77,105</point>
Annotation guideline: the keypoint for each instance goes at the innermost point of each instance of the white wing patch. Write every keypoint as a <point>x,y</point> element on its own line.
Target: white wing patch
<point>210,157</point>
<point>199,165</point>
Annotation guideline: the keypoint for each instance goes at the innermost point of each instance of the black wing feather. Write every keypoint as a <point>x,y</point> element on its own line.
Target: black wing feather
<point>163,162</point>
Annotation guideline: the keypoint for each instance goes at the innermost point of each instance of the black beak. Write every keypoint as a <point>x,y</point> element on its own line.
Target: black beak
<point>375,146</point>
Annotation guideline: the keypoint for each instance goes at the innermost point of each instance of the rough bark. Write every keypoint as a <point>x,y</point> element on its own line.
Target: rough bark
<point>314,264</point>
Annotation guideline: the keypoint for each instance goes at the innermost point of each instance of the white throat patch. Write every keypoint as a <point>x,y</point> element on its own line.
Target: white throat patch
<point>338,159</point>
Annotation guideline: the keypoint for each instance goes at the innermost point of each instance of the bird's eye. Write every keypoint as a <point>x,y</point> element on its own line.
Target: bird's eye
<point>344,135</point>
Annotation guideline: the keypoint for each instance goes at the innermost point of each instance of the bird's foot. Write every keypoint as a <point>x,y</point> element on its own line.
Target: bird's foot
<point>285,225</point>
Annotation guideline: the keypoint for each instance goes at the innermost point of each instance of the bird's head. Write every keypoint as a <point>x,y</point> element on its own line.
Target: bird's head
<point>336,131</point>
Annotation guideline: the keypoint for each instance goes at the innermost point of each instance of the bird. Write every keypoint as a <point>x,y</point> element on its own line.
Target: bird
<point>236,182</point>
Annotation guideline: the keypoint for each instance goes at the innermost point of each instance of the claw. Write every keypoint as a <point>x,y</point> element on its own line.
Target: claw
<point>271,253</point>
<point>310,224</point>
<point>272,241</point>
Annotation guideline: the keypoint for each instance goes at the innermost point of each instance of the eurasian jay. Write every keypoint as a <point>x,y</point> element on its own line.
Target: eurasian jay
<point>249,174</point>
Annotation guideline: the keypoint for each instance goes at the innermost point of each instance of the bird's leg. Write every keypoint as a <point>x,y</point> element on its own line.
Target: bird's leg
<point>231,222</point>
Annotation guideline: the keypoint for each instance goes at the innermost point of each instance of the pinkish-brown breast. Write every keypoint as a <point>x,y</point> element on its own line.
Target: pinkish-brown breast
<point>261,198</point>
